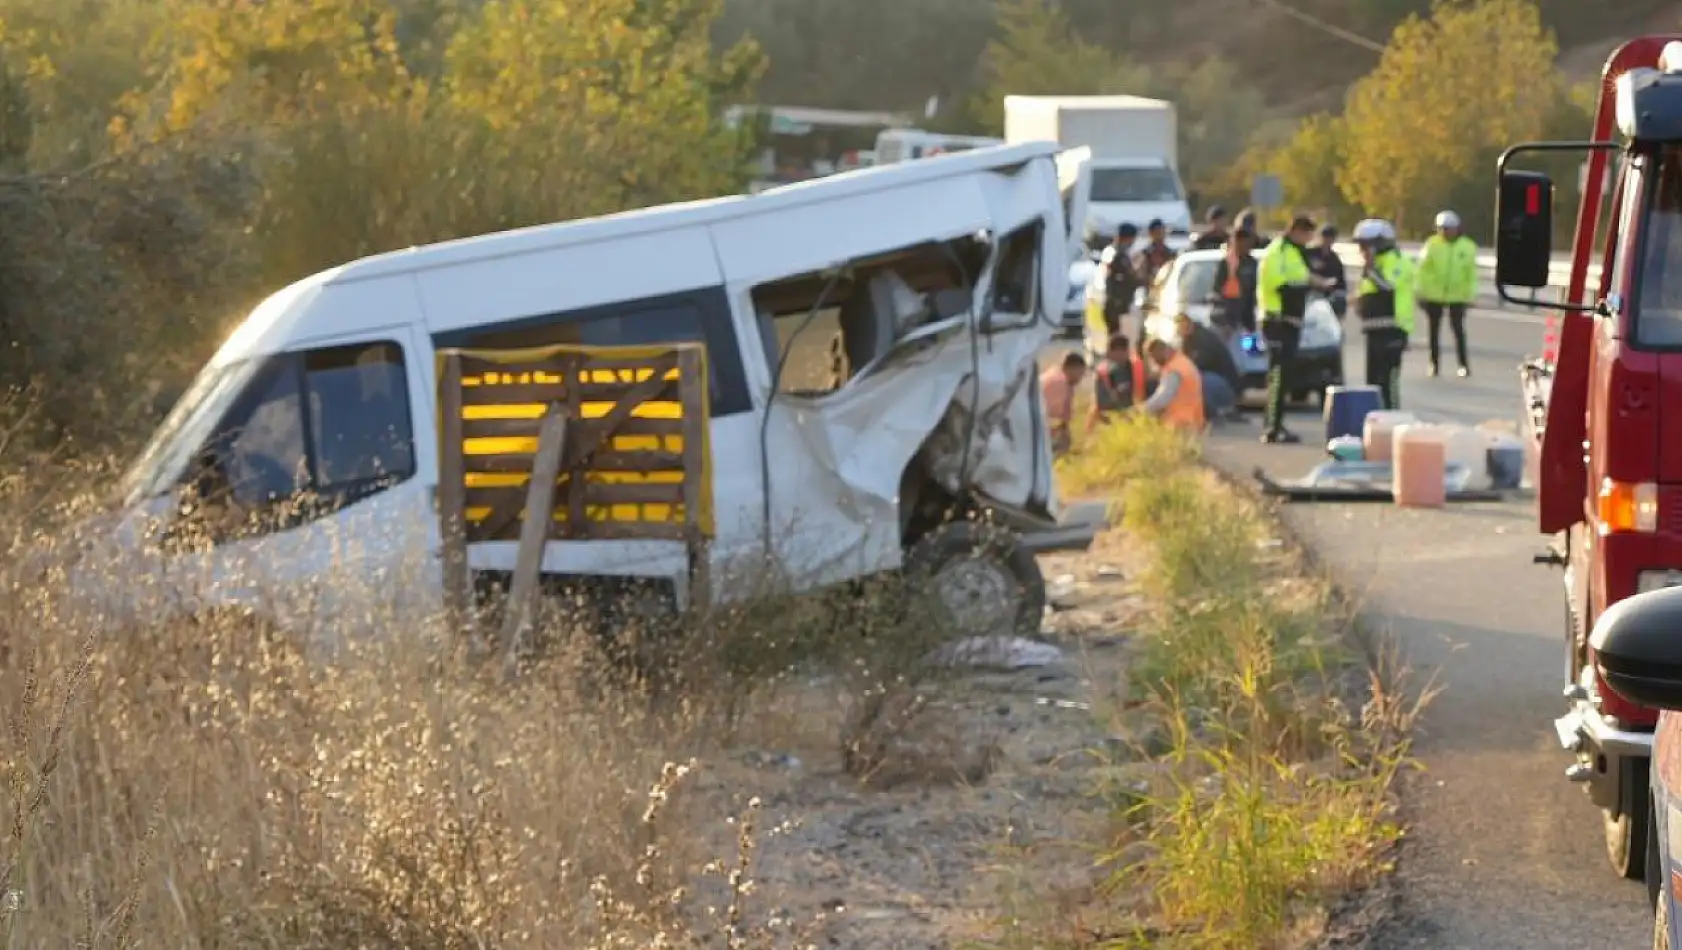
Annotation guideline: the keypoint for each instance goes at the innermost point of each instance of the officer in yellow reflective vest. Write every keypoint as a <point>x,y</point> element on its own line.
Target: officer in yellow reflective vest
<point>1284,282</point>
<point>1446,283</point>
<point>1385,301</point>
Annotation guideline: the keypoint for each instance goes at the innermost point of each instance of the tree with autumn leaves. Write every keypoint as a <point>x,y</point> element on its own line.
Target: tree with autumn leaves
<point>232,146</point>
<point>1421,131</point>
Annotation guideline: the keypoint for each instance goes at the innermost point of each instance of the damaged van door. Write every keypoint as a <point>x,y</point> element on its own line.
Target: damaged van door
<point>899,379</point>
<point>293,491</point>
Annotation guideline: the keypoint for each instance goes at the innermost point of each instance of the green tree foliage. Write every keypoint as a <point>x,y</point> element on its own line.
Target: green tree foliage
<point>250,144</point>
<point>865,54</point>
<point>1308,164</point>
<point>1448,92</point>
<point>1035,52</point>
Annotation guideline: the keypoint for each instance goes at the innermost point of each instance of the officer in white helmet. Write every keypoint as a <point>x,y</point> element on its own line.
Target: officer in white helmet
<point>1384,299</point>
<point>1448,280</point>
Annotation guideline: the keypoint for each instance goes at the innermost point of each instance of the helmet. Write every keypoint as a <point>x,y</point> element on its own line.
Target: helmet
<point>1447,219</point>
<point>1373,230</point>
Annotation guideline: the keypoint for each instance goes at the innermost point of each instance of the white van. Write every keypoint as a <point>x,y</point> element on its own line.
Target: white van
<point>903,145</point>
<point>939,281</point>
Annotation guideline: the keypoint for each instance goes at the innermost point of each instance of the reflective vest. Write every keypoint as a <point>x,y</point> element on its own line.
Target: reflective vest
<point>1387,301</point>
<point>1185,410</point>
<point>1283,281</point>
<point>1448,270</point>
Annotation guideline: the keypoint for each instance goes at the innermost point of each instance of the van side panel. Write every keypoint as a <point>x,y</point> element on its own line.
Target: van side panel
<point>795,239</point>
<point>573,277</point>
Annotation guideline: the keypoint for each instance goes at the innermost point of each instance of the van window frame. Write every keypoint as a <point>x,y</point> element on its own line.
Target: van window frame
<point>715,324</point>
<point>324,497</point>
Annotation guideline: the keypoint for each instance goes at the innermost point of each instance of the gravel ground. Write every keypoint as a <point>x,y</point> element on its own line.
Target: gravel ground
<point>983,808</point>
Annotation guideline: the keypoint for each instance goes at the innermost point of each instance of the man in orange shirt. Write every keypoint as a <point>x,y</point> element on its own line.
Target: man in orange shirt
<point>1057,388</point>
<point>1178,400</point>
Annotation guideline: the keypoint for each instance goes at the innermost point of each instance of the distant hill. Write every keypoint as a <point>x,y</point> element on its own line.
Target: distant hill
<point>897,53</point>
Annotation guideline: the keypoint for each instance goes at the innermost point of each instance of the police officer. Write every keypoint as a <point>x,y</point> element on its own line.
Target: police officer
<point>1285,281</point>
<point>1447,280</point>
<point>1324,260</point>
<point>1121,277</point>
<point>1384,298</point>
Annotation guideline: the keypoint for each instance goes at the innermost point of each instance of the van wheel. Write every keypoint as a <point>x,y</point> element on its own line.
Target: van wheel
<point>981,577</point>
<point>1626,831</point>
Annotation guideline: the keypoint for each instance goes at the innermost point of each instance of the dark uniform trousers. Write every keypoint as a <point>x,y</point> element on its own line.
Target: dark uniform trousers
<point>1385,346</point>
<point>1282,335</point>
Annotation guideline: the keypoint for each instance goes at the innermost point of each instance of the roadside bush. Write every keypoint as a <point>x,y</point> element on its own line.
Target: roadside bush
<point>1272,800</point>
<point>1128,448</point>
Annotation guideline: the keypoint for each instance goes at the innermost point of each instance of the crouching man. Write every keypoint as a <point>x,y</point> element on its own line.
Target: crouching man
<point>1178,400</point>
<point>1057,391</point>
<point>1118,383</point>
<point>1213,358</point>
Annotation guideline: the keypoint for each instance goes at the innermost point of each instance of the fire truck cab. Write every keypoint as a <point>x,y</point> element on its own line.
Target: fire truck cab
<point>1609,445</point>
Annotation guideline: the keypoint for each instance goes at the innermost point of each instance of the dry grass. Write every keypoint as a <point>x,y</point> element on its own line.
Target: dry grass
<point>212,782</point>
<point>1272,801</point>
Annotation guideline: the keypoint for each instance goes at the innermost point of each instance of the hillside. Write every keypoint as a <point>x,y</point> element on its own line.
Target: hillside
<point>898,53</point>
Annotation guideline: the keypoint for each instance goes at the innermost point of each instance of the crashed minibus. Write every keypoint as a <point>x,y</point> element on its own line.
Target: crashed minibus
<point>870,342</point>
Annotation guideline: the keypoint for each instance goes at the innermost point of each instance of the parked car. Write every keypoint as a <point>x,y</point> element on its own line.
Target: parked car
<point>1188,286</point>
<point>1639,657</point>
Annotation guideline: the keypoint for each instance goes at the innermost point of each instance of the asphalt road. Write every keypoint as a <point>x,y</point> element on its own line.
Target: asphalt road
<point>1501,851</point>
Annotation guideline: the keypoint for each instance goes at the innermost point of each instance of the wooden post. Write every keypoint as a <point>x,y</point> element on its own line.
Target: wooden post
<point>534,532</point>
<point>691,377</point>
<point>452,497</point>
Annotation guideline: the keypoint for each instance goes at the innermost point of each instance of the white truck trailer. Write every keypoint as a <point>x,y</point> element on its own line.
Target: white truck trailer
<point>1135,169</point>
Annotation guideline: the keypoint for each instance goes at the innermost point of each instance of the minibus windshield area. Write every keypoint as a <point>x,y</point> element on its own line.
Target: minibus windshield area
<point>333,422</point>
<point>167,454</point>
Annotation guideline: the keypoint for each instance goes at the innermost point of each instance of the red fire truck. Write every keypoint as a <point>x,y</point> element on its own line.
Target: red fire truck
<point>1606,411</point>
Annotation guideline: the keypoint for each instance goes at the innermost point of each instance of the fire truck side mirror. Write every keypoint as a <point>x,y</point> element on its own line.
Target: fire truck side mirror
<point>1524,221</point>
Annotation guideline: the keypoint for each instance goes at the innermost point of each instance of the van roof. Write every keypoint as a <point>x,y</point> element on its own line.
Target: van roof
<point>690,214</point>
<point>1095,102</point>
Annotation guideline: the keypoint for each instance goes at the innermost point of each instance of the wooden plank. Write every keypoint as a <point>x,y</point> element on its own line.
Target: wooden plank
<point>452,497</point>
<point>601,530</point>
<point>607,460</point>
<point>633,493</point>
<point>596,494</point>
<point>575,470</point>
<point>664,363</point>
<point>534,534</point>
<point>474,367</point>
<point>514,394</point>
<point>691,379</point>
<point>527,428</point>
<point>560,364</point>
<point>527,394</point>
<point>613,423</point>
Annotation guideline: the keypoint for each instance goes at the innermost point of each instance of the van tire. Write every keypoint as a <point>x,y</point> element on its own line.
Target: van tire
<point>1000,556</point>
